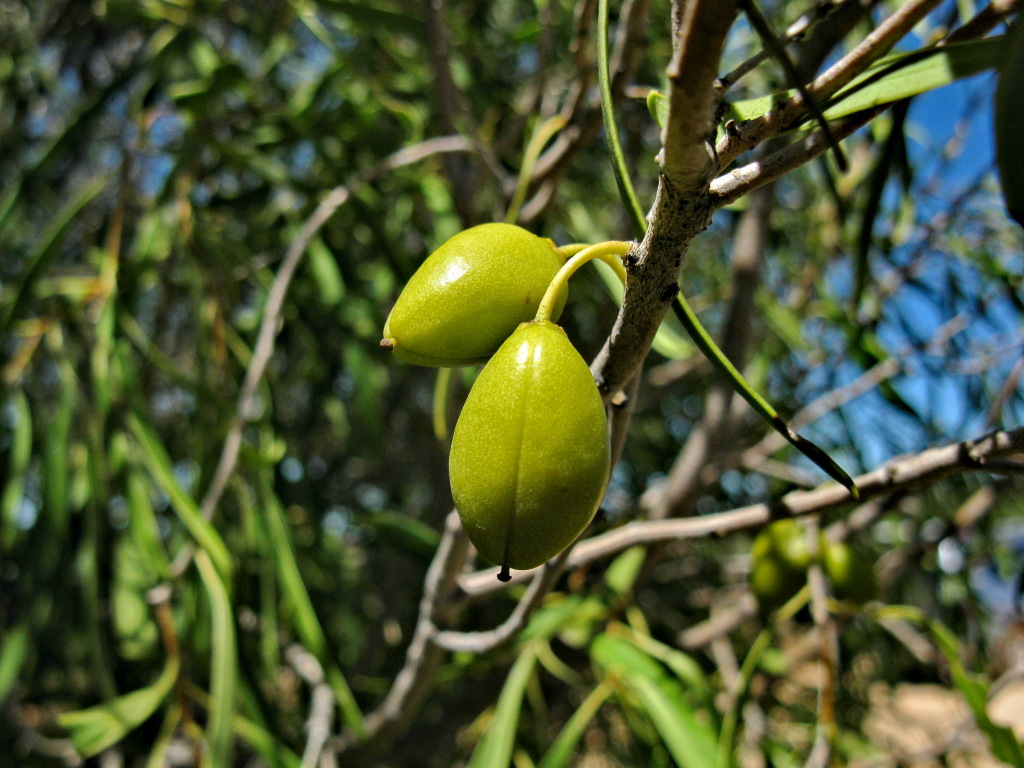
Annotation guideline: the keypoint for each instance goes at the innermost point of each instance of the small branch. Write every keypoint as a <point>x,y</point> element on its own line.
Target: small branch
<point>732,186</point>
<point>482,642</point>
<point>794,32</point>
<point>925,467</point>
<point>270,324</point>
<point>321,709</point>
<point>719,624</point>
<point>413,681</point>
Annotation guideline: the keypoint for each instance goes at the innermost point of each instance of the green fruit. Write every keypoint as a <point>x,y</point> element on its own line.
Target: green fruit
<point>470,294</point>
<point>530,458</point>
<point>852,577</point>
<point>780,559</point>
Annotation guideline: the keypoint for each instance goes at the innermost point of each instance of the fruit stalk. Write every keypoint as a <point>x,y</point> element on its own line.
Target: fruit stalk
<point>611,248</point>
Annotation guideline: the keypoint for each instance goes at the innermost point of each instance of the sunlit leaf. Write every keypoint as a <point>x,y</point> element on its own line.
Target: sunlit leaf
<point>496,745</point>
<point>223,663</point>
<point>93,730</point>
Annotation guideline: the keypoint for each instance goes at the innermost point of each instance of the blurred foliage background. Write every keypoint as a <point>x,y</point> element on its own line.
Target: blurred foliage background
<point>157,159</point>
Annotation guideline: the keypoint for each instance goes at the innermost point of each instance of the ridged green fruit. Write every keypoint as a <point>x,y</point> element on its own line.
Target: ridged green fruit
<point>852,576</point>
<point>530,459</point>
<point>470,294</point>
<point>780,558</point>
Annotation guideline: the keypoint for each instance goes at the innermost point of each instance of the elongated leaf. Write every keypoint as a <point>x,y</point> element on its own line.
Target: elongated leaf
<point>890,79</point>
<point>974,689</point>
<point>560,752</point>
<point>223,670</point>
<point>684,666</point>
<point>21,452</point>
<point>691,742</point>
<point>1009,122</point>
<point>495,748</point>
<point>159,465</point>
<point>96,728</point>
<point>45,248</point>
<point>57,449</point>
<point>13,651</point>
<point>303,615</point>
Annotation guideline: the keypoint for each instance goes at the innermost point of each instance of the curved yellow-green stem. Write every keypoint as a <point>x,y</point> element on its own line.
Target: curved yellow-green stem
<point>442,388</point>
<point>612,248</point>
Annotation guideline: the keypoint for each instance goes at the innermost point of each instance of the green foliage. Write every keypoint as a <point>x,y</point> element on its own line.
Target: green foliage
<point>158,160</point>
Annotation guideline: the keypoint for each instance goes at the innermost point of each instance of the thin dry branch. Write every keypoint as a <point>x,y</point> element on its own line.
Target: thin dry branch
<point>321,708</point>
<point>482,642</point>
<point>413,681</point>
<point>981,455</point>
<point>271,322</point>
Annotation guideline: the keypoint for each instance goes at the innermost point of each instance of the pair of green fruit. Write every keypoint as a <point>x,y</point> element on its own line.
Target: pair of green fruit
<point>529,459</point>
<point>780,559</point>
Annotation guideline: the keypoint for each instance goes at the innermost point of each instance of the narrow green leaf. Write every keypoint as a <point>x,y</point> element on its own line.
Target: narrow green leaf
<point>13,651</point>
<point>495,748</point>
<point>893,78</point>
<point>302,613</point>
<point>158,754</point>
<point>691,742</point>
<point>21,453</point>
<point>561,750</point>
<point>908,74</point>
<point>611,128</point>
<point>45,248</point>
<point>1009,121</point>
<point>143,526</point>
<point>974,689</point>
<point>96,728</point>
<point>657,105</point>
<point>57,450</point>
<point>329,282</point>
<point>684,666</point>
<point>158,463</point>
<point>223,671</point>
<point>623,570</point>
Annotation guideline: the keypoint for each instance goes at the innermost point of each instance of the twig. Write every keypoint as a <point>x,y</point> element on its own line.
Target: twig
<point>321,708</point>
<point>777,49</point>
<point>423,656</point>
<point>680,210</point>
<point>732,186</point>
<point>794,32</point>
<point>719,624</point>
<point>584,121</point>
<point>928,466</point>
<point>270,324</point>
<point>482,642</point>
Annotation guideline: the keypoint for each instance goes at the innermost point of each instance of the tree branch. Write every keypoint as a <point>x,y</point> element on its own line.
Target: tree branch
<point>928,466</point>
<point>413,681</point>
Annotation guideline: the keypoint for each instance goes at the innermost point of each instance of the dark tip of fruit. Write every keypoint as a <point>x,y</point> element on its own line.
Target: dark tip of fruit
<point>504,574</point>
<point>387,344</point>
